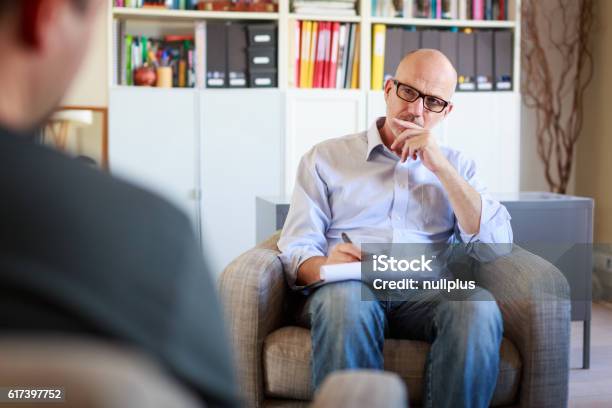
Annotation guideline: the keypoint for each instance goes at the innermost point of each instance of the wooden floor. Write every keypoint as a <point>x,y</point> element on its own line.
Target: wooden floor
<point>593,387</point>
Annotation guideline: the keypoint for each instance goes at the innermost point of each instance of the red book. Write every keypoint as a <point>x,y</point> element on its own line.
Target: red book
<point>325,51</point>
<point>333,59</point>
<point>326,60</point>
<point>317,80</point>
<point>502,10</point>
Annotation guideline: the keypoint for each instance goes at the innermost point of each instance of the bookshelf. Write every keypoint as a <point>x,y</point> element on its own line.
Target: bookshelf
<point>284,16</point>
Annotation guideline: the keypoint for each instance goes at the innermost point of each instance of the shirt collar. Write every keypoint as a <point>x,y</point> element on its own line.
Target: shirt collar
<point>373,134</point>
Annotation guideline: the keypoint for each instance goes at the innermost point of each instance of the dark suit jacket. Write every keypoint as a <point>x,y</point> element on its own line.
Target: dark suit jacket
<point>83,252</point>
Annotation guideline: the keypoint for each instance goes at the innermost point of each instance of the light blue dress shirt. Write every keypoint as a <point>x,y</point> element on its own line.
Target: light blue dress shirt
<point>355,184</point>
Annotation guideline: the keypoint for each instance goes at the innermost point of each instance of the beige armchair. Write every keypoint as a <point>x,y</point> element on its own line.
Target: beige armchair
<point>274,357</point>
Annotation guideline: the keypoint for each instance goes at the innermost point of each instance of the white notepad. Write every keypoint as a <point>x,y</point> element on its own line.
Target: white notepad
<point>341,272</point>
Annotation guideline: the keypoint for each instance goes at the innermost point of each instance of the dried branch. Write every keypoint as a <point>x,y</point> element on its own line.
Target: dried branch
<point>556,95</point>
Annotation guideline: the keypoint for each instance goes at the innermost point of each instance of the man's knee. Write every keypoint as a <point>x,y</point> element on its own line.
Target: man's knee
<point>340,304</point>
<point>479,320</point>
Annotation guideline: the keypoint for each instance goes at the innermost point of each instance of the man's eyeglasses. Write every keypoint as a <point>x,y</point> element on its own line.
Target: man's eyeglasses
<point>409,94</point>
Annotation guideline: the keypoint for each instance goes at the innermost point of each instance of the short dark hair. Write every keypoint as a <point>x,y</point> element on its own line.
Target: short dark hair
<point>9,5</point>
<point>6,5</point>
<point>81,5</point>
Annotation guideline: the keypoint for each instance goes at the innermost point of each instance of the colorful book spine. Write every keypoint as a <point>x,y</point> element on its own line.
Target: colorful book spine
<point>313,49</point>
<point>407,8</point>
<point>333,58</point>
<point>378,56</point>
<point>503,9</point>
<point>324,55</point>
<point>342,40</point>
<point>200,54</point>
<point>305,53</point>
<point>449,9</point>
<point>327,58</point>
<point>463,15</point>
<point>355,73</point>
<point>318,56</point>
<point>295,57</point>
<point>349,56</point>
<point>478,8</point>
<point>128,60</point>
<point>423,8</point>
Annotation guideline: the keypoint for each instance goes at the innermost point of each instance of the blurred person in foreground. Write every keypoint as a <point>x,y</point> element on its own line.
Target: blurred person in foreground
<point>80,251</point>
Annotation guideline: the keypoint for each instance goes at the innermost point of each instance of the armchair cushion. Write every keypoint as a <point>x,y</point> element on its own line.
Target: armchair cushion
<point>287,353</point>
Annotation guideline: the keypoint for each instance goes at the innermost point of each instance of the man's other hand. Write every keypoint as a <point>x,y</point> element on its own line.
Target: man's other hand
<point>342,253</point>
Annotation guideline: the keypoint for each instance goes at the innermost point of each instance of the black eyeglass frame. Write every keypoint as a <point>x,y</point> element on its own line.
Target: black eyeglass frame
<point>419,95</point>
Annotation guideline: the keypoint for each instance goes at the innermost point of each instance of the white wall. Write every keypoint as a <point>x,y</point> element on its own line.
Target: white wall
<point>90,87</point>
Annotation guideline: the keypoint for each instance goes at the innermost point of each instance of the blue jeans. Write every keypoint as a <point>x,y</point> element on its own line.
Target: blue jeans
<point>465,336</point>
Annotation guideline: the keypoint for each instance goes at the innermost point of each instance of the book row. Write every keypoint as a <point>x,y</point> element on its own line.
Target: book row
<point>483,58</point>
<point>324,55</point>
<point>207,5</point>
<point>442,9</point>
<point>433,9</point>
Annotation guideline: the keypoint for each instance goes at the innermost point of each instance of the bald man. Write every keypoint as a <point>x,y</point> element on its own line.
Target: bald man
<point>394,183</point>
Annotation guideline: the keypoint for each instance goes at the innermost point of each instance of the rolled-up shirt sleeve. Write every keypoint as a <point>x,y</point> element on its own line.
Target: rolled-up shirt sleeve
<point>303,235</point>
<point>495,227</point>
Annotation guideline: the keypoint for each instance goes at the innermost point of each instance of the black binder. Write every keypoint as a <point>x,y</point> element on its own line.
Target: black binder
<point>448,45</point>
<point>216,54</point>
<point>484,60</point>
<point>393,51</point>
<point>466,62</point>
<point>411,41</point>
<point>430,39</point>
<point>503,60</point>
<point>237,61</point>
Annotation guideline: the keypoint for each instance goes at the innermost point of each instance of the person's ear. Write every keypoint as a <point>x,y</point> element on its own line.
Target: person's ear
<point>36,15</point>
<point>449,109</point>
<point>388,88</point>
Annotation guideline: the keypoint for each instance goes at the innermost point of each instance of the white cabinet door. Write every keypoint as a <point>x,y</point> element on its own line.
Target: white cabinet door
<point>241,158</point>
<point>316,115</point>
<point>484,126</point>
<point>153,142</point>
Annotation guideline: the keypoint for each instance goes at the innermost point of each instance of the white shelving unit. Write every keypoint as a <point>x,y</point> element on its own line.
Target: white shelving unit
<point>214,158</point>
<point>283,16</point>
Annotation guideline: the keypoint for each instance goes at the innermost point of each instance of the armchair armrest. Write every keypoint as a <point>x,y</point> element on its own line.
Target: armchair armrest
<point>533,297</point>
<point>253,291</point>
<point>362,389</point>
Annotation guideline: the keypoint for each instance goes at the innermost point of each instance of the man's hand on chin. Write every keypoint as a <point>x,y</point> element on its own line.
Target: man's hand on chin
<point>416,140</point>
